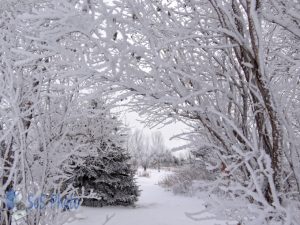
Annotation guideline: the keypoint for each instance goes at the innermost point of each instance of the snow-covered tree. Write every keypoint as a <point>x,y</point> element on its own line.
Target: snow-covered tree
<point>229,70</point>
<point>158,149</point>
<point>45,59</point>
<point>139,147</point>
<point>108,172</point>
<point>149,150</point>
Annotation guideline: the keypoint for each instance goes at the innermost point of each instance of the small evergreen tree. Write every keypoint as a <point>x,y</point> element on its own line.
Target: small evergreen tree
<point>108,172</point>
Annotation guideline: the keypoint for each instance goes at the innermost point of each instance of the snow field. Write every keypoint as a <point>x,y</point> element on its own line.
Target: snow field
<point>156,206</point>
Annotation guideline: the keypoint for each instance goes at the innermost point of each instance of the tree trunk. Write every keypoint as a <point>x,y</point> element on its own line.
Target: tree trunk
<point>260,78</point>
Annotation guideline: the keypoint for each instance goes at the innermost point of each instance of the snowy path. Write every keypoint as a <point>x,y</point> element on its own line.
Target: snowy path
<point>155,207</point>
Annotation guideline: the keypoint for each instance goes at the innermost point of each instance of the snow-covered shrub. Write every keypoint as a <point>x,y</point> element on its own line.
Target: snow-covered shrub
<point>143,173</point>
<point>182,179</point>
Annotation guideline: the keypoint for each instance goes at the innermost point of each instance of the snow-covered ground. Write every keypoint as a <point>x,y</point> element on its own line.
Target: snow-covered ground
<point>156,206</point>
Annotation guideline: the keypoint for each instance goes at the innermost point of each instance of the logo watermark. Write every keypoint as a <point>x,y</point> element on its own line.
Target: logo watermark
<point>42,201</point>
<point>10,197</point>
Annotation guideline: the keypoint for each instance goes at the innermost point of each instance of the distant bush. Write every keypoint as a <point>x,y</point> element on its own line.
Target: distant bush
<point>143,173</point>
<point>181,181</point>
